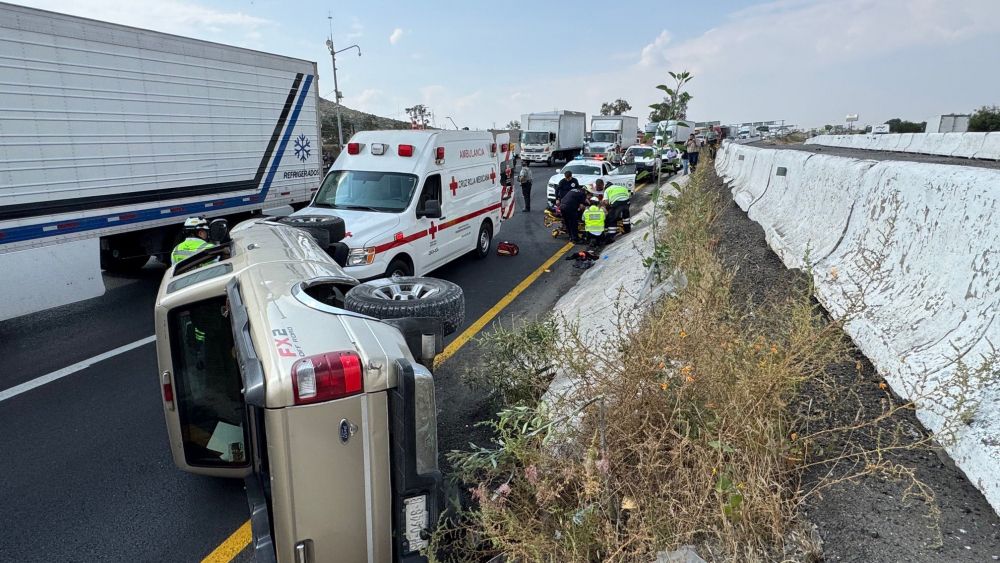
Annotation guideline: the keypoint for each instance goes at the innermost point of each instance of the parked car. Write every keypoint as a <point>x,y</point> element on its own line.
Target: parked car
<point>588,171</point>
<point>278,367</point>
<point>644,157</point>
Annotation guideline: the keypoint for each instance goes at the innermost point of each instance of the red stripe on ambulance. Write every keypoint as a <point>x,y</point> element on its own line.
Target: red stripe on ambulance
<point>435,228</point>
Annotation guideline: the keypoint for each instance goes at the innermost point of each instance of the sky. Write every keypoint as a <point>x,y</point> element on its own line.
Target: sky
<point>807,62</point>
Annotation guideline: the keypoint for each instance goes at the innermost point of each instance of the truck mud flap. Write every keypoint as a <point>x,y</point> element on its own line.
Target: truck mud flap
<point>412,433</point>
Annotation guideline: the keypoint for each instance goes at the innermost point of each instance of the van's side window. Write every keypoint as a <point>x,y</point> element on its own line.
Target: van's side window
<point>432,190</point>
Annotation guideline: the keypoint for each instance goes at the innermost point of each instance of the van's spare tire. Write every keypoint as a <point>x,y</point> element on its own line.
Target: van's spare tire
<point>325,229</point>
<point>407,297</point>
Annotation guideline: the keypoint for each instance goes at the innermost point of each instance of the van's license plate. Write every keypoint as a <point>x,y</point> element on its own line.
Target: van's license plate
<point>415,509</point>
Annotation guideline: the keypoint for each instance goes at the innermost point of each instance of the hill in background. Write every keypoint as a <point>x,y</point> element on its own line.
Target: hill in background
<point>352,121</point>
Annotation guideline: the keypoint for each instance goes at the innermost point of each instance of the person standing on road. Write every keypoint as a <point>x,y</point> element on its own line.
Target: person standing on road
<point>524,177</point>
<point>692,147</point>
<point>570,205</point>
<point>617,199</point>
<point>196,239</point>
<point>594,219</point>
<point>565,185</point>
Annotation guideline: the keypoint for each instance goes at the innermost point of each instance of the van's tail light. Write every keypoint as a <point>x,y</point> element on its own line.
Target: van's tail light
<point>439,154</point>
<point>493,148</point>
<point>168,389</point>
<point>353,148</point>
<point>325,377</point>
<point>405,150</point>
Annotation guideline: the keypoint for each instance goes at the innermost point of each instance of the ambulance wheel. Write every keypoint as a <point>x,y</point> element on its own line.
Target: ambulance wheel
<point>398,268</point>
<point>485,240</point>
<point>408,297</point>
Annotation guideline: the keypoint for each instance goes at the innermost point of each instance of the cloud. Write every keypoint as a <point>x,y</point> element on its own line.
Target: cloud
<point>397,34</point>
<point>170,16</point>
<point>366,100</point>
<point>357,29</point>
<point>654,53</point>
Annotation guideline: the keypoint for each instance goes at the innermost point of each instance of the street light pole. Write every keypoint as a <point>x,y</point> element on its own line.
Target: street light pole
<point>452,122</point>
<point>336,88</point>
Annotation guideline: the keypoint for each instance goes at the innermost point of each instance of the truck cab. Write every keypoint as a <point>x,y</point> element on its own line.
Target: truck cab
<point>268,373</point>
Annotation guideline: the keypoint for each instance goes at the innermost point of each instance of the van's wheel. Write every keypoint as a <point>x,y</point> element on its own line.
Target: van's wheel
<point>406,297</point>
<point>485,240</point>
<point>398,267</point>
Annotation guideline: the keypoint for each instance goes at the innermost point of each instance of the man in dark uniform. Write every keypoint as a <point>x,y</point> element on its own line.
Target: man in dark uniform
<point>565,185</point>
<point>570,205</point>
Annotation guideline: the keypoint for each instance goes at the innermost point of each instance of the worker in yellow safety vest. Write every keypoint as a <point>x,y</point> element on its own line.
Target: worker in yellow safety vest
<point>196,239</point>
<point>617,198</point>
<point>593,221</point>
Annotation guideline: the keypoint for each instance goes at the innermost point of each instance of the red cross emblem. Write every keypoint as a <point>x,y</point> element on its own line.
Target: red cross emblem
<point>454,186</point>
<point>493,175</point>
<point>433,230</point>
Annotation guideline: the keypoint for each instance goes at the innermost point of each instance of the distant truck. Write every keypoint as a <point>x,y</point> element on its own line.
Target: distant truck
<point>673,132</point>
<point>948,123</point>
<point>552,135</point>
<point>746,132</point>
<point>611,135</point>
<point>113,135</point>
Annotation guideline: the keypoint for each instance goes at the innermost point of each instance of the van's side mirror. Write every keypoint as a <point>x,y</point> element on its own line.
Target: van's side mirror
<point>218,231</point>
<point>432,209</point>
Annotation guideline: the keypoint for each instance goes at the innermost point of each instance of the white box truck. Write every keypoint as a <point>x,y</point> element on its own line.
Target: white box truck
<point>611,135</point>
<point>673,132</point>
<point>552,135</point>
<point>112,136</point>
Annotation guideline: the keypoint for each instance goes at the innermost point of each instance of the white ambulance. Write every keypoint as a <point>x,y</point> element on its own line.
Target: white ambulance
<point>413,201</point>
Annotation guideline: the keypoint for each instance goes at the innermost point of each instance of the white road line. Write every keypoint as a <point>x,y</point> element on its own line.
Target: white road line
<point>69,370</point>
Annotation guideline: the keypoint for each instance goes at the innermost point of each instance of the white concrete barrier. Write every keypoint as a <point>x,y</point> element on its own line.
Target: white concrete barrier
<point>908,253</point>
<point>965,145</point>
<point>750,190</point>
<point>991,147</point>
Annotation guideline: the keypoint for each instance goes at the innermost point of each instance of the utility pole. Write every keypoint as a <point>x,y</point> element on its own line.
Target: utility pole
<point>336,89</point>
<point>452,122</point>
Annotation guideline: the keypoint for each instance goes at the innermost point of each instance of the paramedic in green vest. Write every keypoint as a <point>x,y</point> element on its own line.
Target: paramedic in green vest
<point>196,239</point>
<point>593,221</point>
<point>617,197</point>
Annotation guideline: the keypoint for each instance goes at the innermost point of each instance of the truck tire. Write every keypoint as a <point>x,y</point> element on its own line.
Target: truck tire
<point>114,261</point>
<point>400,298</point>
<point>325,229</point>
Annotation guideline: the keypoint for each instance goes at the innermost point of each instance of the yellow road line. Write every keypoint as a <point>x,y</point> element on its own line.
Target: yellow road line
<point>229,549</point>
<point>234,544</point>
<point>488,316</point>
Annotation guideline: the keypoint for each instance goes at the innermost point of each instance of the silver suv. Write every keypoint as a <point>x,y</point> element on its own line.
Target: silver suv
<point>278,368</point>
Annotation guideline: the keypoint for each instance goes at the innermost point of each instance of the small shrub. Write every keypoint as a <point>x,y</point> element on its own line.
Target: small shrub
<point>517,364</point>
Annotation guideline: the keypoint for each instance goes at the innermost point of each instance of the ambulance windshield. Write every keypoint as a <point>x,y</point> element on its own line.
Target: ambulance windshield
<point>388,192</point>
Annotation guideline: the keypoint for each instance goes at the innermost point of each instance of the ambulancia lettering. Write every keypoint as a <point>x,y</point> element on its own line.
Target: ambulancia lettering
<point>471,153</point>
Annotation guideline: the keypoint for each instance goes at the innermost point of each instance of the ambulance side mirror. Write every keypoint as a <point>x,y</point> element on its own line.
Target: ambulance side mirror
<point>431,210</point>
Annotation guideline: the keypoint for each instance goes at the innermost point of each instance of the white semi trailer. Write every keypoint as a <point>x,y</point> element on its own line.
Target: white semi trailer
<point>552,135</point>
<point>112,136</point>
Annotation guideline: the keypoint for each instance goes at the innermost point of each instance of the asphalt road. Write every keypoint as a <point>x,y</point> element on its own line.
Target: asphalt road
<point>85,471</point>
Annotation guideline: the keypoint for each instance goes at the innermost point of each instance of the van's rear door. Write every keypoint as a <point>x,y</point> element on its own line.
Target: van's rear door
<point>202,391</point>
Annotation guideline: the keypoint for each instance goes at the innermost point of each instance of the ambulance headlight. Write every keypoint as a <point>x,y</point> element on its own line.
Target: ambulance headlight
<point>361,256</point>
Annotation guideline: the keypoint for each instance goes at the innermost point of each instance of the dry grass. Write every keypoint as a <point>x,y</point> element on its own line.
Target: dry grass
<point>689,431</point>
